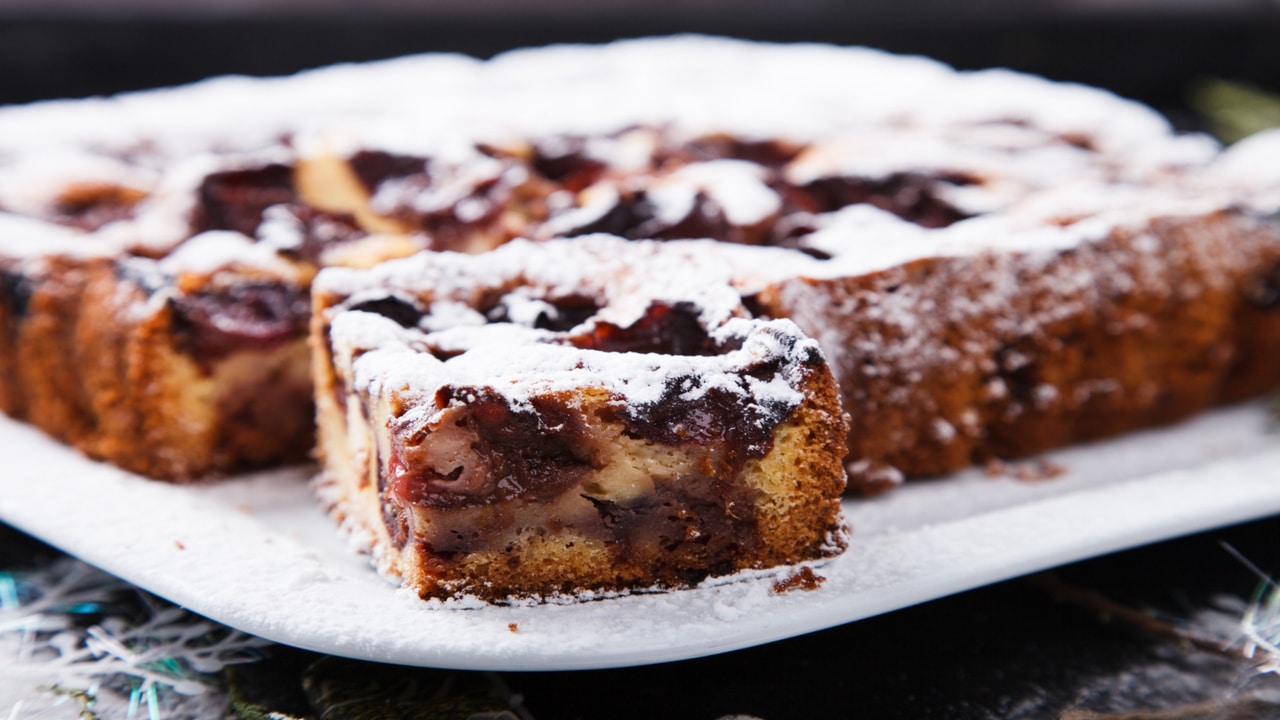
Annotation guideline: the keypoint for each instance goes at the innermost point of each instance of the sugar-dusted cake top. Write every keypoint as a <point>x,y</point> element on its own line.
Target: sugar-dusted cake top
<point>644,322</point>
<point>681,137</point>
<point>700,83</point>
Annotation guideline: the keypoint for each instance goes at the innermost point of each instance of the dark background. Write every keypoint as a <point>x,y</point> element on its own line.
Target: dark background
<point>1152,50</point>
<point>1014,650</point>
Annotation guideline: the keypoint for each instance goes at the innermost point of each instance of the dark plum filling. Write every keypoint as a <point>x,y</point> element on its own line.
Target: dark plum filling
<point>911,196</point>
<point>621,219</point>
<point>569,312</point>
<point>566,163</point>
<point>743,426</point>
<point>1017,368</point>
<point>1266,292</point>
<point>455,226</point>
<point>665,329</point>
<point>399,310</point>
<point>560,314</point>
<point>373,167</point>
<point>318,230</point>
<point>92,206</point>
<point>702,524</point>
<point>519,452</point>
<point>485,452</point>
<point>767,153</point>
<point>636,217</point>
<point>449,226</point>
<point>706,219</point>
<point>15,294</point>
<point>236,199</point>
<point>211,325</point>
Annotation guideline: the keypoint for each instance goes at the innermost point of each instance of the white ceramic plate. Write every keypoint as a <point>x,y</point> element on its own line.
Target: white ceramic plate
<point>256,553</point>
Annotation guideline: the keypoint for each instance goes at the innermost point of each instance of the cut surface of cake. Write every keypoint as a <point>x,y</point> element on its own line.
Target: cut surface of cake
<point>589,415</point>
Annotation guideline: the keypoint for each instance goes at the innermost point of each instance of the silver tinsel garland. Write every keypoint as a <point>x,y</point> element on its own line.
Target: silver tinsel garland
<point>78,643</point>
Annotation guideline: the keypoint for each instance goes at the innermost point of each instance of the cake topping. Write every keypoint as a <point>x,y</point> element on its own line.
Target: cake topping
<point>211,325</point>
<point>673,149</point>
<point>236,199</point>
<point>574,312</point>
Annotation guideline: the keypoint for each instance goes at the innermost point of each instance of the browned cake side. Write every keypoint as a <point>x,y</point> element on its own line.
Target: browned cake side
<point>947,362</point>
<point>201,383</point>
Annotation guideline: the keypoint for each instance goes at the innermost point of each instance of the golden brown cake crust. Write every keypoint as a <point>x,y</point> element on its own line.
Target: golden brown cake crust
<point>85,366</point>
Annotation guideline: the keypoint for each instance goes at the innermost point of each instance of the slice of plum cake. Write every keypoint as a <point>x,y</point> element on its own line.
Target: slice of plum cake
<point>588,415</point>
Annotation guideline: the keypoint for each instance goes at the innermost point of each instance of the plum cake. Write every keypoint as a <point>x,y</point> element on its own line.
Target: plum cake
<point>993,264</point>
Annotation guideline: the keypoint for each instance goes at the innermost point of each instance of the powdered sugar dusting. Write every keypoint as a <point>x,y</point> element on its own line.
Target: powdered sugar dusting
<point>32,184</point>
<point>215,250</point>
<point>24,237</point>
<point>543,369</point>
<point>554,267</point>
<point>520,361</point>
<point>869,114</point>
<point>737,187</point>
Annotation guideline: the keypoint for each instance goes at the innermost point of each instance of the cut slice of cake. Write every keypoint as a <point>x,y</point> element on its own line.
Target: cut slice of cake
<point>589,415</point>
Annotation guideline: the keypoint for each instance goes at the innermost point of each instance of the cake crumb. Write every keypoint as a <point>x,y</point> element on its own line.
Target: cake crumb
<point>178,544</point>
<point>1034,471</point>
<point>801,579</point>
<point>513,627</point>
